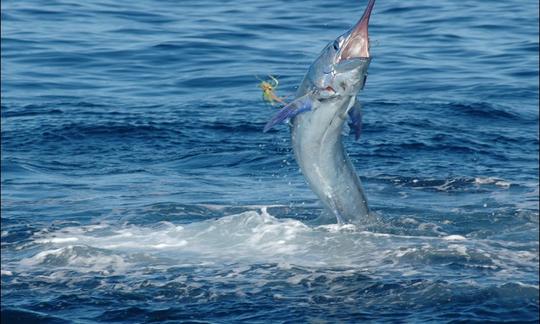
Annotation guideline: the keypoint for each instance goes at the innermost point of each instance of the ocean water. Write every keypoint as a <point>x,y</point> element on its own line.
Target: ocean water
<point>137,185</point>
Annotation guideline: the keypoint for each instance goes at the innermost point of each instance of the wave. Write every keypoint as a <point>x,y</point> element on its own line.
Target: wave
<point>258,237</point>
<point>18,315</point>
<point>143,271</point>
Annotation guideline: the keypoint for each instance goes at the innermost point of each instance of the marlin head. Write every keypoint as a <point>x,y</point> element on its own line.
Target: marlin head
<point>341,68</point>
<point>338,73</point>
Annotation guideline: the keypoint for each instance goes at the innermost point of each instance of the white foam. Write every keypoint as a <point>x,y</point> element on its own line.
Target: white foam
<point>492,180</point>
<point>82,258</point>
<point>336,228</point>
<point>504,184</point>
<point>58,240</point>
<point>483,181</point>
<point>460,249</point>
<point>165,246</point>
<point>454,238</point>
<point>258,237</point>
<point>401,253</point>
<point>40,257</point>
<point>408,220</point>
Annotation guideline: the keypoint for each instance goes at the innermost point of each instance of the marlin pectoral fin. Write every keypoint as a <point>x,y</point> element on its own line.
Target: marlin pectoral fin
<point>355,115</point>
<point>294,108</point>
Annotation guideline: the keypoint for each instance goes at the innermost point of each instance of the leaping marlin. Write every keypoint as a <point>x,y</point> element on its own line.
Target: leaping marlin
<point>324,101</point>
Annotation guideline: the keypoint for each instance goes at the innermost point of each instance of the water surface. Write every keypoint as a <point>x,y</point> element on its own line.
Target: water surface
<point>137,185</point>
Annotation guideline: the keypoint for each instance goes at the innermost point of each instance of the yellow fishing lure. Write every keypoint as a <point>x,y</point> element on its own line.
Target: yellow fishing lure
<point>268,89</point>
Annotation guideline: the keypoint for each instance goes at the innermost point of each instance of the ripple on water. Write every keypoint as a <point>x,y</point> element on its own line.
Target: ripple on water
<point>137,184</point>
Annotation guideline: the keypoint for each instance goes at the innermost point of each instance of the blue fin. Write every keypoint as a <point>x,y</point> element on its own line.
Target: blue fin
<point>355,115</point>
<point>294,108</point>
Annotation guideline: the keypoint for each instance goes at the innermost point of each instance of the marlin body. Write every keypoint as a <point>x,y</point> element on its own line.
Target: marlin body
<point>325,101</point>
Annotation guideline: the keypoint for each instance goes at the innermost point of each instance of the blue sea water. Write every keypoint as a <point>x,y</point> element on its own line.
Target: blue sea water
<point>137,185</point>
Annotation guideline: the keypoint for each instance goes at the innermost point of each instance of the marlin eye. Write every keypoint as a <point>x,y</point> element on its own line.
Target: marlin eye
<point>336,45</point>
